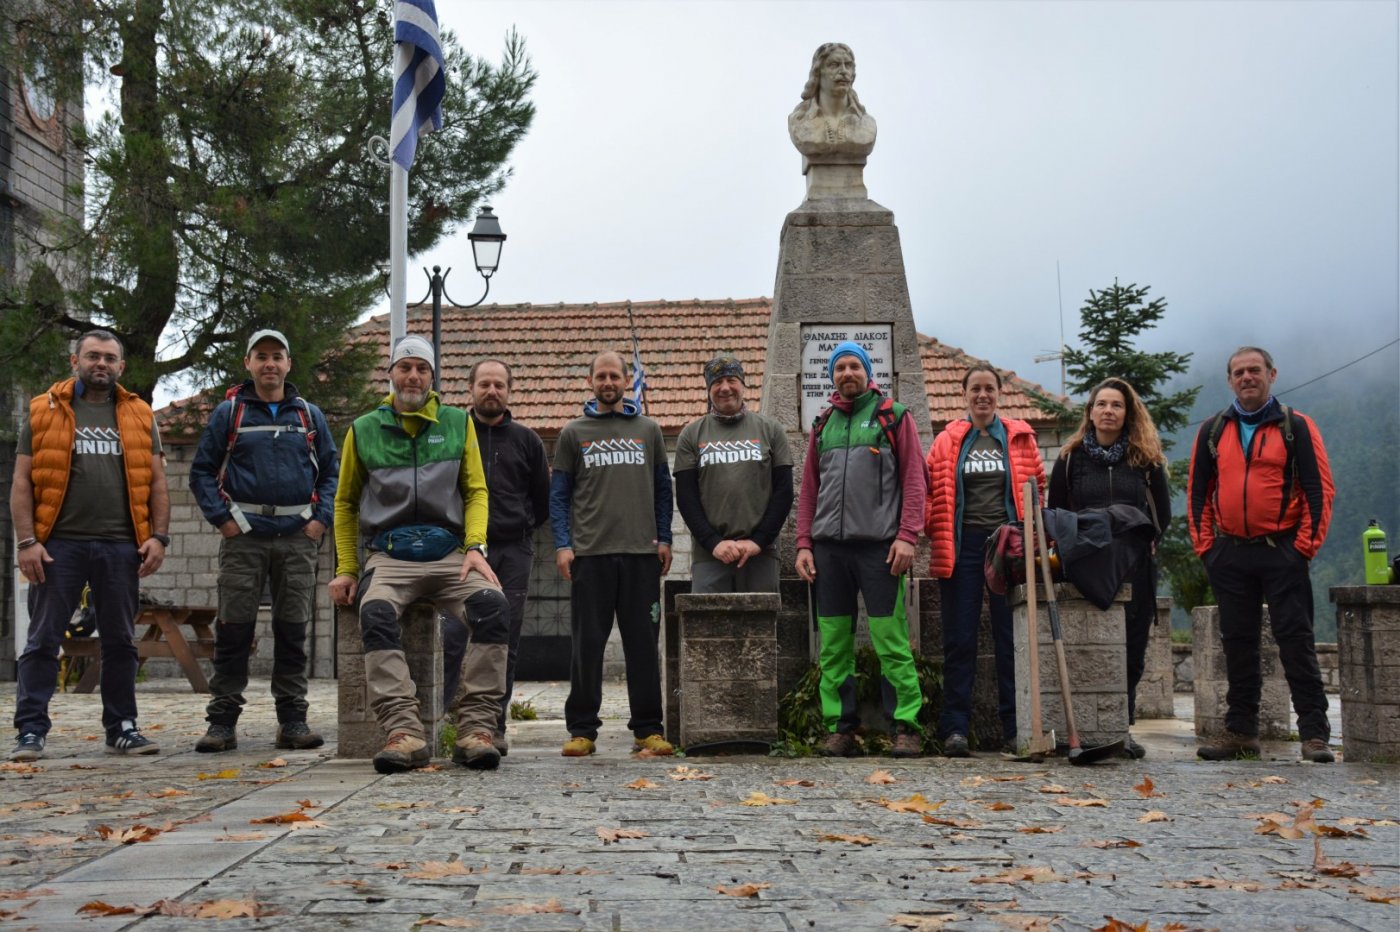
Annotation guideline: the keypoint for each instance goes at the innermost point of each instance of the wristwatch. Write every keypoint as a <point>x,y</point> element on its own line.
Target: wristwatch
<point>479,548</point>
<point>163,538</point>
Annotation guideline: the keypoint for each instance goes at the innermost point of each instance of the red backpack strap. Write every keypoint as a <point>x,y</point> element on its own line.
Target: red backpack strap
<point>888,419</point>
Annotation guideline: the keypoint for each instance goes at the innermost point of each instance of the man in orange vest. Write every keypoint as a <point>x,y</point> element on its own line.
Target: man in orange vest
<point>90,508</point>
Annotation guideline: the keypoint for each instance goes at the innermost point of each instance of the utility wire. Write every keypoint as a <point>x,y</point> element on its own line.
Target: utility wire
<point>1294,388</point>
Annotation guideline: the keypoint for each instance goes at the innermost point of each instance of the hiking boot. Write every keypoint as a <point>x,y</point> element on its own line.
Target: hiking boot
<point>130,741</point>
<point>297,736</point>
<point>837,744</point>
<point>1230,746</point>
<point>478,751</point>
<point>402,751</point>
<point>907,743</point>
<point>653,746</point>
<point>578,746</point>
<point>502,743</point>
<point>30,746</point>
<point>217,738</point>
<point>1317,751</point>
<point>1132,750</point>
<point>955,745</point>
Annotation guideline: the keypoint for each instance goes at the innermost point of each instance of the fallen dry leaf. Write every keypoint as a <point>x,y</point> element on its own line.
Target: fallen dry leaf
<point>469,810</point>
<point>1118,925</point>
<point>1324,865</point>
<point>1024,875</point>
<point>230,774</point>
<point>924,922</point>
<point>50,841</point>
<point>610,835</point>
<point>273,764</point>
<point>1040,829</point>
<point>951,822</point>
<point>229,909</point>
<point>1302,883</point>
<point>757,798</point>
<point>881,777</point>
<point>1154,815</point>
<point>864,840</point>
<point>1332,831</point>
<point>242,836</point>
<point>1147,789</point>
<point>168,792</point>
<point>912,803</point>
<point>1112,843</point>
<point>282,818</point>
<point>1054,788</point>
<point>529,909</point>
<point>127,836</point>
<point>642,783</point>
<point>400,804</point>
<point>688,773</point>
<point>1215,883</point>
<point>998,807</point>
<point>1376,894</point>
<point>24,767</point>
<point>1027,923</point>
<point>99,908</point>
<point>743,889</point>
<point>449,923</point>
<point>436,870</point>
<point>793,782</point>
<point>1085,803</point>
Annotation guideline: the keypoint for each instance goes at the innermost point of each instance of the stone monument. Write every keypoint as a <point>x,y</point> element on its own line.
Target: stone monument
<point>840,267</point>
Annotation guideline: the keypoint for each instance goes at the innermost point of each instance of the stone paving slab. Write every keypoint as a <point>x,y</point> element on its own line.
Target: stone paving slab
<point>540,812</point>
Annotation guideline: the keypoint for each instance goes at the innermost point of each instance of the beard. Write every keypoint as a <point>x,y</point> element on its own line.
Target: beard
<point>412,398</point>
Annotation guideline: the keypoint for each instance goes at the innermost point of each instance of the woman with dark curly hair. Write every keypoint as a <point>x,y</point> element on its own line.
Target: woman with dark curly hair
<point>1116,458</point>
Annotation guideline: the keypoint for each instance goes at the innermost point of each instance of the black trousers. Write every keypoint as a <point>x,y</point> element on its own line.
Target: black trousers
<point>1243,576</point>
<point>629,586</point>
<point>1139,615</point>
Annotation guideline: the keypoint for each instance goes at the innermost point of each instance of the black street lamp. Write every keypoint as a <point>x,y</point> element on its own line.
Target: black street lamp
<point>486,239</point>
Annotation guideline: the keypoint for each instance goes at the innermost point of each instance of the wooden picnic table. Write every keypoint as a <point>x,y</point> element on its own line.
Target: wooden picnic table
<point>164,636</point>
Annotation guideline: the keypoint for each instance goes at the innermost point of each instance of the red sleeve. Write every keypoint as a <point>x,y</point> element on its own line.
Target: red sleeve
<point>1200,493</point>
<point>913,479</point>
<point>1316,490</point>
<point>807,495</point>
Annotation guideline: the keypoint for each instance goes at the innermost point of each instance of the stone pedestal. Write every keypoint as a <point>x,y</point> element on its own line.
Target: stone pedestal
<point>728,667</point>
<point>1157,686</point>
<point>1211,681</point>
<point>1097,657</point>
<point>1368,648</point>
<point>360,735</point>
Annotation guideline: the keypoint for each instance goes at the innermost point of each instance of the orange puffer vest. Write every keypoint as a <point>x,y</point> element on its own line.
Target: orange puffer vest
<point>1023,459</point>
<point>53,428</point>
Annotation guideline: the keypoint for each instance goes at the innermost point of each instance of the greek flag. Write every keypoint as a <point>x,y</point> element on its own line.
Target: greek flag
<point>639,379</point>
<point>419,81</point>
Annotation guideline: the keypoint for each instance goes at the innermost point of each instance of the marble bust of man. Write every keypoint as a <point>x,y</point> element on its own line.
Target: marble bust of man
<point>830,126</point>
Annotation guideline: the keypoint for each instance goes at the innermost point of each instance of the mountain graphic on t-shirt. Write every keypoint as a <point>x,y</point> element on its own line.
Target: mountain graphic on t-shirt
<point>97,441</point>
<point>730,451</point>
<point>614,451</point>
<point>979,461</point>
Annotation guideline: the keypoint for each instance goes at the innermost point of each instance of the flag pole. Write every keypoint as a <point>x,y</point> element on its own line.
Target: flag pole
<point>398,252</point>
<point>639,378</point>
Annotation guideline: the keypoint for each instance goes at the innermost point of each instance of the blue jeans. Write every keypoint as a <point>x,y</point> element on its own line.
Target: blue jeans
<point>962,612</point>
<point>109,568</point>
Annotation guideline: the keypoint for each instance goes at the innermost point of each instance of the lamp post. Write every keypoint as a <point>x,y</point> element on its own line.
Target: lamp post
<point>486,239</point>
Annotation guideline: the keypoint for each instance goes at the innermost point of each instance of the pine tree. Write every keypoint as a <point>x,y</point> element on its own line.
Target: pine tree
<point>229,183</point>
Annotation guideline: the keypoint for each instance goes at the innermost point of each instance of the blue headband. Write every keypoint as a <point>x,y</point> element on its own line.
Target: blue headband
<point>849,348</point>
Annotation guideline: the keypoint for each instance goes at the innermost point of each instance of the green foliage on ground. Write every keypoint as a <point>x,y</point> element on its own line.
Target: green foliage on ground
<point>800,724</point>
<point>229,185</point>
<point>523,712</point>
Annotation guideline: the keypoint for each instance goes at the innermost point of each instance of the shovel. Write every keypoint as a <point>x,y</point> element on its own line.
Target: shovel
<point>1041,744</point>
<point>1078,755</point>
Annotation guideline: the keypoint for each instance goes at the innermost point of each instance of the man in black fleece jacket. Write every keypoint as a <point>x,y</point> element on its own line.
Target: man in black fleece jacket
<point>517,480</point>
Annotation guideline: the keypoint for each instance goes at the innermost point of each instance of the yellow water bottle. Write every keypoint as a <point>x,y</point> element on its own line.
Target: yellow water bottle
<point>1377,559</point>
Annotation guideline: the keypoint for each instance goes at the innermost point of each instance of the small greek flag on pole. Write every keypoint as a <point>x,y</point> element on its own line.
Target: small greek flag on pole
<point>639,379</point>
<point>419,79</point>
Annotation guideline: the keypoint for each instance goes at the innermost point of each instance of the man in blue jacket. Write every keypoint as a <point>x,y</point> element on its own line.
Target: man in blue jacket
<point>264,475</point>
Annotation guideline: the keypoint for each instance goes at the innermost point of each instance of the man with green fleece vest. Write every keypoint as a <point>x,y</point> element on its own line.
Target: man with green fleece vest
<point>413,492</point>
<point>858,517</point>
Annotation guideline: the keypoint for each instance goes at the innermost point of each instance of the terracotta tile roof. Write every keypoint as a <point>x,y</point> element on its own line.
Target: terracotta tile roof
<point>549,348</point>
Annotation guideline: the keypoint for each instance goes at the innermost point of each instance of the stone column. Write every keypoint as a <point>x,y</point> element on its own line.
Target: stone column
<point>1211,681</point>
<point>1097,657</point>
<point>1155,692</point>
<point>1368,648</point>
<point>728,667</point>
<point>360,735</point>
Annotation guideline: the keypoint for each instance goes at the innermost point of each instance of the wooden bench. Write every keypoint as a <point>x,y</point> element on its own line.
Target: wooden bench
<point>164,636</point>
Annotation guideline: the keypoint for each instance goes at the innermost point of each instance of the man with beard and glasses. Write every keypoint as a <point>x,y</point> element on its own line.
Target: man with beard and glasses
<point>264,474</point>
<point>90,508</point>
<point>610,506</point>
<point>413,492</point>
<point>858,519</point>
<point>733,487</point>
<point>517,481</point>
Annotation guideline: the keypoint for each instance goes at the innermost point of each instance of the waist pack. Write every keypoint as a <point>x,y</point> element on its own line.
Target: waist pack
<point>1004,558</point>
<point>419,543</point>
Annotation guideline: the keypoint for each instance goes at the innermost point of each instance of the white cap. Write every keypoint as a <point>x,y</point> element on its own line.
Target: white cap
<point>261,335</point>
<point>415,347</point>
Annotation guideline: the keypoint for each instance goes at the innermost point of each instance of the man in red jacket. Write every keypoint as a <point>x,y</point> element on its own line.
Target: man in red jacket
<point>1260,495</point>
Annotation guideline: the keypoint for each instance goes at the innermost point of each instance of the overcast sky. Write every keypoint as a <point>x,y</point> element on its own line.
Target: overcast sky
<point>1239,157</point>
